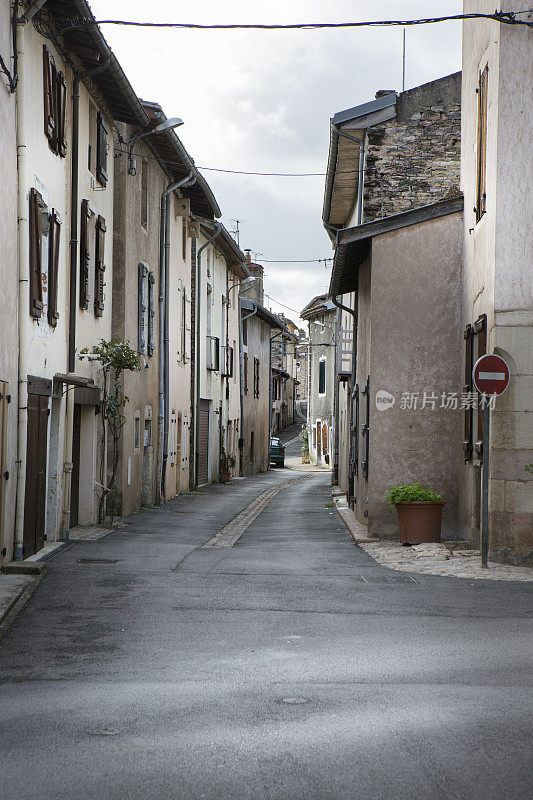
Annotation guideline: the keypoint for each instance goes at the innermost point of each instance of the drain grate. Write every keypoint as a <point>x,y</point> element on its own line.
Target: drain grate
<point>97,560</point>
<point>53,553</point>
<point>384,579</point>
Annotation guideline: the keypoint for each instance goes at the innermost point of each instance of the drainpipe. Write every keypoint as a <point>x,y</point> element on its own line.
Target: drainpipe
<point>24,276</point>
<point>241,381</point>
<point>164,335</point>
<point>218,229</point>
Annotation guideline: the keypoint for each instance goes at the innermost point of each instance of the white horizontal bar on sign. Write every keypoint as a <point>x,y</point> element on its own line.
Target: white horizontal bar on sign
<point>492,376</point>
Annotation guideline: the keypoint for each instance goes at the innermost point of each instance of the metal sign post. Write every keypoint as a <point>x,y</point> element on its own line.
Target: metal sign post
<point>485,484</point>
<point>491,378</point>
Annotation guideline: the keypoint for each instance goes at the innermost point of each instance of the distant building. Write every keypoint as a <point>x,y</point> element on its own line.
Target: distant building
<point>284,375</point>
<point>321,315</point>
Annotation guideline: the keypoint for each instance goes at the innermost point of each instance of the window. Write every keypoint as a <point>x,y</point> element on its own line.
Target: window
<point>137,431</point>
<point>322,376</point>
<point>55,105</point>
<point>101,148</point>
<point>144,193</point>
<point>245,373</point>
<point>481,197</point>
<point>256,377</point>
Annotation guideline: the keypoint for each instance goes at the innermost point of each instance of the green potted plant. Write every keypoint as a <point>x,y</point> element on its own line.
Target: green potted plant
<point>419,512</point>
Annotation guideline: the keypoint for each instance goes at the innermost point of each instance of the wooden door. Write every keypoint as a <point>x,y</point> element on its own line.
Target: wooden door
<point>35,491</point>
<point>203,444</point>
<point>75,479</point>
<point>318,441</point>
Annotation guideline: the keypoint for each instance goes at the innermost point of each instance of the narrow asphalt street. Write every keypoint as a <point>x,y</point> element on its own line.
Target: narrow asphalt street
<point>289,665</point>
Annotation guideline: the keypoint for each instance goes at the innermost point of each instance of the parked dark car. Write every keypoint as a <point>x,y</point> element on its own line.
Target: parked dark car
<point>277,452</point>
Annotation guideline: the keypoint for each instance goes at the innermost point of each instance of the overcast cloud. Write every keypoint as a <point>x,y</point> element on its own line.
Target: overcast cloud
<point>261,101</point>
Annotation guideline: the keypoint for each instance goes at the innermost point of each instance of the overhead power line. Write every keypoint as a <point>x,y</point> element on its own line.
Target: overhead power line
<point>296,260</point>
<point>505,17</point>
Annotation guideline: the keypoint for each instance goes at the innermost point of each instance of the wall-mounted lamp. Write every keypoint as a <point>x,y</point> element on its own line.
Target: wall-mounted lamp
<point>173,122</point>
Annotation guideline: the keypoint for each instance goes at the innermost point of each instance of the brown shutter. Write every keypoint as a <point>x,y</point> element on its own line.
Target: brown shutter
<point>84,254</point>
<point>61,115</point>
<point>151,313</point>
<point>101,149</point>
<point>53,267</point>
<point>49,100</point>
<point>245,373</point>
<point>480,330</point>
<point>467,389</point>
<point>99,267</point>
<point>36,245</point>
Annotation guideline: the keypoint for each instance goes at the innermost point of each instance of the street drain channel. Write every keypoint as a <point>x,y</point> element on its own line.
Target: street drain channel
<point>384,579</point>
<point>232,532</point>
<point>97,560</point>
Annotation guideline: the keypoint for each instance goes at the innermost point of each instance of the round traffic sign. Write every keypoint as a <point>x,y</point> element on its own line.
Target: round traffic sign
<point>491,374</point>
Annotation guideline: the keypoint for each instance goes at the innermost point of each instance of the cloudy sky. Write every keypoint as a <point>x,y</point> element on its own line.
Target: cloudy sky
<point>260,101</point>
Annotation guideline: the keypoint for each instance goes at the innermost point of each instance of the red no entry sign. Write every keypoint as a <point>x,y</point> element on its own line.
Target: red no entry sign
<point>491,374</point>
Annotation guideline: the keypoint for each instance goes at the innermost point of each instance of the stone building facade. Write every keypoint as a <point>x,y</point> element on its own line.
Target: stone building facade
<point>414,159</point>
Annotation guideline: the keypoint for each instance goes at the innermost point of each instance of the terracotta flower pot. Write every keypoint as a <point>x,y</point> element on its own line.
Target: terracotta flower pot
<point>420,521</point>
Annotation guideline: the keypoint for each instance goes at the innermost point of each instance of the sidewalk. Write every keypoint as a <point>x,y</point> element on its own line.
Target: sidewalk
<point>12,588</point>
<point>428,559</point>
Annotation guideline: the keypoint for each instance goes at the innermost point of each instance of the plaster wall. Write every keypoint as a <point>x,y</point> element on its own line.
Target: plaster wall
<point>414,315</point>
<point>498,280</point>
<point>255,410</point>
<point>9,292</point>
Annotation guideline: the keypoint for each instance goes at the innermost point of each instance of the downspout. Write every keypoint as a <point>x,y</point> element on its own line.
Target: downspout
<point>164,327</point>
<point>24,277</point>
<point>241,381</point>
<point>218,229</point>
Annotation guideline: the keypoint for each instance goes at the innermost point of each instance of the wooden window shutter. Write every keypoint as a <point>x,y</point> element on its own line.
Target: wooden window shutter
<point>53,267</point>
<point>99,282</point>
<point>61,115</point>
<point>481,193</point>
<point>49,98</point>
<point>101,148</point>
<point>151,313</point>
<point>245,373</point>
<point>142,308</point>
<point>186,328</point>
<point>480,331</point>
<point>84,254</point>
<point>467,388</point>
<point>180,320</point>
<point>366,428</point>
<point>36,246</point>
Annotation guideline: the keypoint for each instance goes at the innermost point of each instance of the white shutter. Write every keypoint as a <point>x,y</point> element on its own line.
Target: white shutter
<point>187,324</point>
<point>179,306</point>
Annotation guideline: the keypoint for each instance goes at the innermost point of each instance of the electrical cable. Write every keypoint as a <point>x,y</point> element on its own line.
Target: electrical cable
<point>507,18</point>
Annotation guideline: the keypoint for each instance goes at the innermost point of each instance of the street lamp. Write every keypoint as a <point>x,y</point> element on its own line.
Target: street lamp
<point>173,122</point>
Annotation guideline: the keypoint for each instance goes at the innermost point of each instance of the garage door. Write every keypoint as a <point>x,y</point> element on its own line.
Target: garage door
<point>203,443</point>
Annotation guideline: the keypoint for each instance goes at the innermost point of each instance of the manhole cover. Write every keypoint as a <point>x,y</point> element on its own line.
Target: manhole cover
<point>294,701</point>
<point>97,560</point>
<point>104,732</point>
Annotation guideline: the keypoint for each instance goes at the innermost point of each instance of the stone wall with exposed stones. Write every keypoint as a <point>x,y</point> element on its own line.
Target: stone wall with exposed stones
<point>414,159</point>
